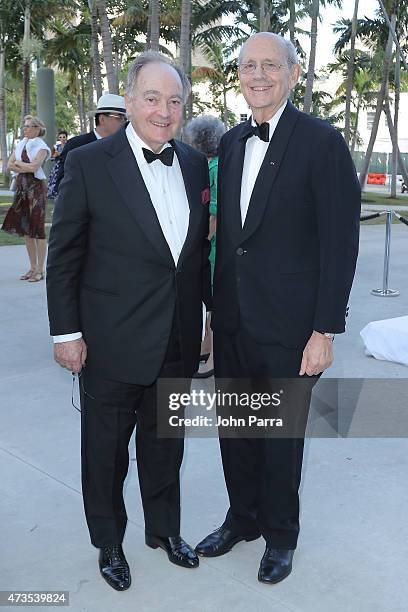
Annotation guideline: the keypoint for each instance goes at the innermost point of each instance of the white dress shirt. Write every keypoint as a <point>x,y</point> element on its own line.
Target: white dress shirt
<point>255,150</point>
<point>167,192</point>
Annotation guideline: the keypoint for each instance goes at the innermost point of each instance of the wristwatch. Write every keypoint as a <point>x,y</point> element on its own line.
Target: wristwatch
<point>328,335</point>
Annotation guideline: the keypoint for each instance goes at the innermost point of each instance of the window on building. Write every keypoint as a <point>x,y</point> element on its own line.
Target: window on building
<point>243,117</point>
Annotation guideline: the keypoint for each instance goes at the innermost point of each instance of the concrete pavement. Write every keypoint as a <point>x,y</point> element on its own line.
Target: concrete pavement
<point>354,537</point>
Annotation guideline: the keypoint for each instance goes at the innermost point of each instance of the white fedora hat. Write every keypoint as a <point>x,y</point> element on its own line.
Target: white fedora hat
<point>110,103</point>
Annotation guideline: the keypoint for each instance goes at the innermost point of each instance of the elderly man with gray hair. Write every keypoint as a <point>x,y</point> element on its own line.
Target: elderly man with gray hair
<point>128,271</point>
<point>287,242</point>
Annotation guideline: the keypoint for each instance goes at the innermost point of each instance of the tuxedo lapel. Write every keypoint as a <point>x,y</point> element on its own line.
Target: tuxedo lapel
<point>127,177</point>
<point>188,170</point>
<point>230,170</point>
<point>269,170</point>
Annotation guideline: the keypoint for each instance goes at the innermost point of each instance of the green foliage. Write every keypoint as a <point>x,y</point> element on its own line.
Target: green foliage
<point>65,108</point>
<point>61,36</point>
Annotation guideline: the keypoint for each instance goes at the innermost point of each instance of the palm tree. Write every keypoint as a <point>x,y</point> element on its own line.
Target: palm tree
<point>185,35</point>
<point>11,28</point>
<point>26,52</point>
<point>366,94</point>
<point>381,97</point>
<point>111,73</point>
<point>95,58</point>
<point>314,16</point>
<point>350,73</point>
<point>366,70</point>
<point>221,75</point>
<point>69,49</point>
<point>154,9</point>
<point>264,17</point>
<point>314,10</point>
<point>292,21</point>
<point>37,14</point>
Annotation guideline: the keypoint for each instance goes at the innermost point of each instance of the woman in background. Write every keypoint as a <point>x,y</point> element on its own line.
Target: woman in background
<point>56,152</point>
<point>204,134</point>
<point>26,216</point>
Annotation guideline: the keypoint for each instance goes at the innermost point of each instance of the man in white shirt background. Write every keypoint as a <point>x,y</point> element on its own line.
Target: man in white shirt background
<point>110,115</point>
<point>127,273</point>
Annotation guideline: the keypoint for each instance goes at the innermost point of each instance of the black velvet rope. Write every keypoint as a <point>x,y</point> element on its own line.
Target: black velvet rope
<point>373,216</point>
<point>401,218</point>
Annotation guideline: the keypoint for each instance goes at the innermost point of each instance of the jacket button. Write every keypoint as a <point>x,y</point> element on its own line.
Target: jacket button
<point>240,251</point>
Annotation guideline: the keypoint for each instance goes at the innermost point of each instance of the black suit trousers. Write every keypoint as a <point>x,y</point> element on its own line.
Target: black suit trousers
<point>262,474</point>
<point>110,412</point>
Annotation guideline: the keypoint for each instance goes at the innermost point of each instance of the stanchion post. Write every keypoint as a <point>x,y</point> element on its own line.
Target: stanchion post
<point>385,292</point>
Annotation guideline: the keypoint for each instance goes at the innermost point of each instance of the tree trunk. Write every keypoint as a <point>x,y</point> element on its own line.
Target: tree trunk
<point>80,106</point>
<point>95,58</point>
<point>107,47</point>
<point>225,109</point>
<point>82,94</point>
<point>379,107</point>
<point>91,121</point>
<point>185,50</point>
<point>403,169</point>
<point>353,144</point>
<point>3,128</point>
<point>395,127</point>
<point>154,10</point>
<point>350,74</point>
<point>185,34</point>
<point>392,30</point>
<point>149,28</point>
<point>314,14</point>
<point>25,101</point>
<point>261,15</point>
<point>292,20</point>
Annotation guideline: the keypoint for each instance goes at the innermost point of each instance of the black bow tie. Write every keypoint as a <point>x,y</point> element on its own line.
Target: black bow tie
<point>262,131</point>
<point>166,156</point>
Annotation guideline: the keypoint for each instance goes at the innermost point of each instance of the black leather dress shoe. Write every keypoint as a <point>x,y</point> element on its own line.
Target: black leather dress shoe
<point>221,541</point>
<point>276,564</point>
<point>178,551</point>
<point>114,567</point>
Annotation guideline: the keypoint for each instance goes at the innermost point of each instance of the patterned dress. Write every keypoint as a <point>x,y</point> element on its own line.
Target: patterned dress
<point>26,216</point>
<point>52,191</point>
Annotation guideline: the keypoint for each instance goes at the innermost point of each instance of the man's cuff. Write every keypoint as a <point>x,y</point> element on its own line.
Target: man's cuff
<point>67,337</point>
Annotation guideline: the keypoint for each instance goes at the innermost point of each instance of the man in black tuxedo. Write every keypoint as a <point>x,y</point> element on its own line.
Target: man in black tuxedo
<point>110,115</point>
<point>128,273</point>
<point>287,243</point>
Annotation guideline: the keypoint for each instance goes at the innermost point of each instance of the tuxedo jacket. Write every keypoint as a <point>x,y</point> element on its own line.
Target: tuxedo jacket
<point>289,269</point>
<point>110,272</point>
<point>72,143</point>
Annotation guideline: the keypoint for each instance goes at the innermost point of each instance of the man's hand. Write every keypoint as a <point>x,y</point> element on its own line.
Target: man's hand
<point>317,356</point>
<point>71,354</point>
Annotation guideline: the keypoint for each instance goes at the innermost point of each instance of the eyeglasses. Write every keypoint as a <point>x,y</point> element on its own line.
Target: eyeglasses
<point>267,67</point>
<point>29,126</point>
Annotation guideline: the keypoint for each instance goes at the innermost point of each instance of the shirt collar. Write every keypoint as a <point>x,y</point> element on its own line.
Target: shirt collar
<point>98,136</point>
<point>273,121</point>
<point>135,139</point>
